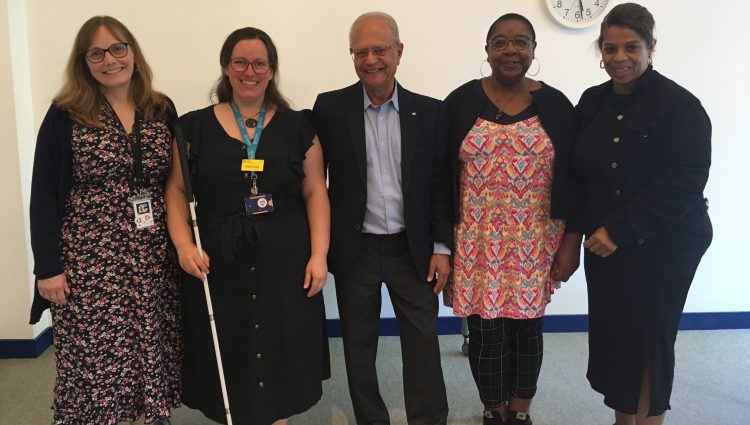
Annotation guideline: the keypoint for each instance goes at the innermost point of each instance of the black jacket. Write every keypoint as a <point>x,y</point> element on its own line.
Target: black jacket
<point>642,159</point>
<point>339,120</point>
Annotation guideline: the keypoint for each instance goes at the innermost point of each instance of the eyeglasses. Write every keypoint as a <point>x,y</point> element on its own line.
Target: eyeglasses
<point>96,55</point>
<point>240,65</point>
<point>500,43</point>
<point>378,52</point>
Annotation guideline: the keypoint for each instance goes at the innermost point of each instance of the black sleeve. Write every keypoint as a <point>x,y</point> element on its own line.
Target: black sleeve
<point>49,192</point>
<point>170,116</point>
<point>575,190</point>
<point>307,128</point>
<point>442,211</point>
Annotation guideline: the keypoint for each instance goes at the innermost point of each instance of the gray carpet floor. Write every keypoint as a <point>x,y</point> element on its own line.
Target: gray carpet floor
<point>712,385</point>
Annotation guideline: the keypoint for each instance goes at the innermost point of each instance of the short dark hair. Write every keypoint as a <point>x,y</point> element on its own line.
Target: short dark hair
<point>511,17</point>
<point>632,16</point>
<point>223,89</point>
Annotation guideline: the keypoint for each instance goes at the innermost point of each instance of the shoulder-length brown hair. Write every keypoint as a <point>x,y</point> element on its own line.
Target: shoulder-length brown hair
<point>80,94</point>
<point>223,89</point>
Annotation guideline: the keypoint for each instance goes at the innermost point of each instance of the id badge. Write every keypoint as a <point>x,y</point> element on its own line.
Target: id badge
<point>254,165</point>
<point>144,213</point>
<point>261,203</point>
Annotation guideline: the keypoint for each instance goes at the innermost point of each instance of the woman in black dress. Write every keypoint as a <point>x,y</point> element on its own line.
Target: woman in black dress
<point>642,160</point>
<point>264,223</point>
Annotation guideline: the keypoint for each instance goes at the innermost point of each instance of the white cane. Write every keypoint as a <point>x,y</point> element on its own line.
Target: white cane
<point>182,150</point>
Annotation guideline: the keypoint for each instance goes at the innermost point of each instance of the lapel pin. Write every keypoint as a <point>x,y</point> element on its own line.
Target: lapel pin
<point>414,114</point>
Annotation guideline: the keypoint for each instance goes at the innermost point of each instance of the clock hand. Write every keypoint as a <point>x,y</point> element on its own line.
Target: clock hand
<point>580,4</point>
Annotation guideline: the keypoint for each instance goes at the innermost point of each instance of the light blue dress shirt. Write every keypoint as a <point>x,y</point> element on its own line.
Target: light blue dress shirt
<point>385,204</point>
<point>384,214</point>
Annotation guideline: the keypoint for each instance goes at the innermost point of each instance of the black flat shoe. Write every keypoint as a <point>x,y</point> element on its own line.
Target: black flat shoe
<point>492,418</point>
<point>518,418</point>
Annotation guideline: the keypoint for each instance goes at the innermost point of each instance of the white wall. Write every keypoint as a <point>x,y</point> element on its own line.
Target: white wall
<point>704,49</point>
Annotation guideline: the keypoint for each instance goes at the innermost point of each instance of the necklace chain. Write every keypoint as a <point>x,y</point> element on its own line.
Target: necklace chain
<point>250,120</point>
<point>500,112</point>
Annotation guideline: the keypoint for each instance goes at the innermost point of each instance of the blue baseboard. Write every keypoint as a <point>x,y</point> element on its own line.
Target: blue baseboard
<point>572,323</point>
<point>31,348</point>
<point>25,348</point>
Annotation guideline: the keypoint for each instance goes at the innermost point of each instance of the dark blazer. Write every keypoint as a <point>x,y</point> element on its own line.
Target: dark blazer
<point>649,182</point>
<point>340,123</point>
<point>556,114</point>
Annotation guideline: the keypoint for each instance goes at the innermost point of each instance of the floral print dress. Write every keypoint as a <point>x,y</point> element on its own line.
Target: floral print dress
<point>117,340</point>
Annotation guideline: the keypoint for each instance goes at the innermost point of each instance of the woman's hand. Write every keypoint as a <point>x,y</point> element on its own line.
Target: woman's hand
<point>568,257</point>
<point>316,274</point>
<point>191,261</point>
<point>600,243</point>
<point>54,289</point>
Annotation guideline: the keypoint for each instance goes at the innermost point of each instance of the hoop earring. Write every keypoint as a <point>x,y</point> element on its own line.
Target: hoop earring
<point>538,68</point>
<point>480,68</point>
<point>601,64</point>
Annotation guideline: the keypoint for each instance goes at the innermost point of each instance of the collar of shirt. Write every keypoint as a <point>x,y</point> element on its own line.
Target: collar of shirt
<point>393,100</point>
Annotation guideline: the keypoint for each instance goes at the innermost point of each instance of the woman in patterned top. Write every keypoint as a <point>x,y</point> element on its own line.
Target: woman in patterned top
<point>102,255</point>
<point>509,139</point>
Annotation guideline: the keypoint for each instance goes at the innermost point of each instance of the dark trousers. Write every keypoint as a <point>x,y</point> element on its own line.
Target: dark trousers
<point>386,259</point>
<point>505,356</point>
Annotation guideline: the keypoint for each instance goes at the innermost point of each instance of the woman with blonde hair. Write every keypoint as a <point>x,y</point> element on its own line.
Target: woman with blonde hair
<point>102,256</point>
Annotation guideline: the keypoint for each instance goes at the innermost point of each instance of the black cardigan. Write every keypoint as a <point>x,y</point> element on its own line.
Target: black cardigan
<point>50,186</point>
<point>556,114</point>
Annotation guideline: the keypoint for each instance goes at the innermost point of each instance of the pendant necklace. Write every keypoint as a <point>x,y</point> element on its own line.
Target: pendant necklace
<point>500,113</point>
<point>251,122</point>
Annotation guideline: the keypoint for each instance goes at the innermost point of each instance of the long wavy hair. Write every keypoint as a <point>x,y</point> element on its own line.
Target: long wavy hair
<point>222,92</point>
<point>81,96</point>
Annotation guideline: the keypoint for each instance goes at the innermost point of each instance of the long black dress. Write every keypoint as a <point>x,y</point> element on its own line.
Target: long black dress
<point>272,336</point>
<point>642,160</point>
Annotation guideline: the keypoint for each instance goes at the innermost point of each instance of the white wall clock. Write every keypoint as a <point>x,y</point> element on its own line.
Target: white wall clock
<point>576,13</point>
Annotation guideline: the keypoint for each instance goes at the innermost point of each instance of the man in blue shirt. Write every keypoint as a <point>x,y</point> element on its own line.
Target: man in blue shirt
<point>390,220</point>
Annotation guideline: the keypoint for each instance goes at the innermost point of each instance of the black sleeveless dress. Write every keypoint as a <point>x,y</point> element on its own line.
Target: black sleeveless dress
<point>272,336</point>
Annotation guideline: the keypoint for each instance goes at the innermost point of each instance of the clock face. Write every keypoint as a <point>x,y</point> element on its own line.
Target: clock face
<point>576,13</point>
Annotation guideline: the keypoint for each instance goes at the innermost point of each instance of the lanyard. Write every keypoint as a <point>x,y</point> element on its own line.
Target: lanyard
<point>139,180</point>
<point>136,149</point>
<point>252,145</point>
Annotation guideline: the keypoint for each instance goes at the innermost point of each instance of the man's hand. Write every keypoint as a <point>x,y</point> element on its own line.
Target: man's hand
<point>440,264</point>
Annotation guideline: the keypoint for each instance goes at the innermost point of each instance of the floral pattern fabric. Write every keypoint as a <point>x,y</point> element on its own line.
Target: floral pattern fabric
<point>506,240</point>
<point>117,340</point>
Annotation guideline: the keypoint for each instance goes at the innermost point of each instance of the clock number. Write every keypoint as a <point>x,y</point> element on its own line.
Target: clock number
<point>588,12</point>
<point>596,3</point>
<point>566,13</point>
<point>578,15</point>
<point>559,4</point>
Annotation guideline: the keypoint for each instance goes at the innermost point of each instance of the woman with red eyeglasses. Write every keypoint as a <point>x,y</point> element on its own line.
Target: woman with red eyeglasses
<point>256,169</point>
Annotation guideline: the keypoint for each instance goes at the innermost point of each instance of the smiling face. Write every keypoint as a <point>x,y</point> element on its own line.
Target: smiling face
<point>625,56</point>
<point>111,73</point>
<point>377,73</point>
<point>509,64</point>
<point>248,84</point>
